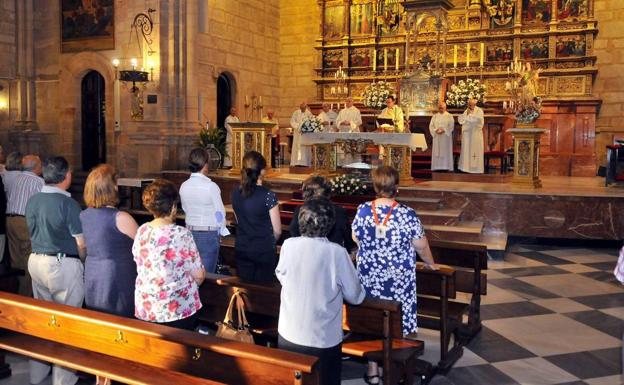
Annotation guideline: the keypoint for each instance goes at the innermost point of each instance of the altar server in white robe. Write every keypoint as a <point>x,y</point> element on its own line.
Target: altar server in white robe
<point>394,112</point>
<point>231,118</point>
<point>349,120</point>
<point>299,155</point>
<point>471,156</point>
<point>328,118</point>
<point>441,128</point>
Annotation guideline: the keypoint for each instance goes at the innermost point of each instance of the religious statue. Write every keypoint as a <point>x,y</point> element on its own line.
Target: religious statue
<point>523,87</point>
<point>501,11</point>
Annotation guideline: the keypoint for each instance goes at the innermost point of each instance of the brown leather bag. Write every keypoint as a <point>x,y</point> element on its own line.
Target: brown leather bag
<point>239,332</point>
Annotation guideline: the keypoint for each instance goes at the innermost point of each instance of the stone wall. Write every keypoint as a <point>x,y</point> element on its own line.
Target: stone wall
<point>7,58</point>
<point>609,85</point>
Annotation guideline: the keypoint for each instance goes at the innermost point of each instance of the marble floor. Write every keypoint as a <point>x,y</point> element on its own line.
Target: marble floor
<point>552,315</point>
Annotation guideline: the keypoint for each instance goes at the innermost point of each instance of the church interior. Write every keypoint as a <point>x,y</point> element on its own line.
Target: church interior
<point>223,132</point>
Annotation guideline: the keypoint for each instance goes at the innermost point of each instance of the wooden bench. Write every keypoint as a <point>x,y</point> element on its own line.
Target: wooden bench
<point>379,321</point>
<point>137,352</point>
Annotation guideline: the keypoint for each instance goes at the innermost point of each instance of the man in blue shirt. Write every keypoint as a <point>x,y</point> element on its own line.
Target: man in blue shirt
<point>55,264</point>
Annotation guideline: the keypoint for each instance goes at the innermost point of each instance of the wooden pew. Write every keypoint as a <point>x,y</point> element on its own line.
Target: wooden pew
<point>469,261</point>
<point>379,320</point>
<point>137,352</point>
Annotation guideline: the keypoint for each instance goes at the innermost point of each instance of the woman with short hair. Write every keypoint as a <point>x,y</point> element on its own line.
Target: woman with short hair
<point>168,264</point>
<point>389,235</point>
<point>110,271</point>
<point>317,187</point>
<point>258,222</point>
<point>316,276</point>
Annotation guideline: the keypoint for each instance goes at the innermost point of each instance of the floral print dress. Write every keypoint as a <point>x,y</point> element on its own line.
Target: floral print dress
<point>387,266</point>
<point>165,290</point>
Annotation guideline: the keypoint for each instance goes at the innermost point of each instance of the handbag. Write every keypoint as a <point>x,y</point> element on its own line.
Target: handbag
<point>227,329</point>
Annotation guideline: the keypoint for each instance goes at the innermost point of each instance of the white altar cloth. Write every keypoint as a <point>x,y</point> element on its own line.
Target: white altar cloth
<point>414,141</point>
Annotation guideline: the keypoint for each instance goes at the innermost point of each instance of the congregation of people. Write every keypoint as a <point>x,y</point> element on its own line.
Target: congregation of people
<point>100,258</point>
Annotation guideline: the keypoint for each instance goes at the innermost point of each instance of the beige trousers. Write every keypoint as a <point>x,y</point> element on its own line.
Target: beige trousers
<point>60,281</point>
<point>19,249</point>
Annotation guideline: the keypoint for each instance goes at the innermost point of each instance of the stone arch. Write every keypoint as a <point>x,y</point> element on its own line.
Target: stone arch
<point>226,95</point>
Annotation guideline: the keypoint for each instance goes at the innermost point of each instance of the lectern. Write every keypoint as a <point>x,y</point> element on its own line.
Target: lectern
<point>526,155</point>
<point>250,136</point>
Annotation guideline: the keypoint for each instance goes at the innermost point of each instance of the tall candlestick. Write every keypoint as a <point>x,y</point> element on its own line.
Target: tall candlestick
<point>396,59</point>
<point>247,99</point>
<point>481,59</point>
<point>374,60</point>
<point>385,59</point>
<point>467,54</point>
<point>455,56</point>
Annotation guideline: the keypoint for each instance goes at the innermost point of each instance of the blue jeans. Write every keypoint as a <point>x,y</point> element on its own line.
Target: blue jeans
<point>208,243</point>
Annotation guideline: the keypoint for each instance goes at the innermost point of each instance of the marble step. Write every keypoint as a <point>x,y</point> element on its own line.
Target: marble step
<point>418,203</point>
<point>461,232</point>
<point>446,217</point>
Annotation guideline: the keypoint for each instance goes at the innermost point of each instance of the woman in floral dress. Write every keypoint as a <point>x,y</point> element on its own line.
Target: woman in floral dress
<point>169,267</point>
<point>389,235</point>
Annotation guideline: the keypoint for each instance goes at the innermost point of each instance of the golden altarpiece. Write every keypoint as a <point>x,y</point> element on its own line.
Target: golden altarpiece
<point>384,40</point>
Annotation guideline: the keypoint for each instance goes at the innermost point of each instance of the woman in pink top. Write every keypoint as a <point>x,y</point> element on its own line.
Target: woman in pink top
<point>169,268</point>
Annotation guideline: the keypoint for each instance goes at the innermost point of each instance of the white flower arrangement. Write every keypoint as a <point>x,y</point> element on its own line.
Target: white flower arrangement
<point>462,91</point>
<point>347,185</point>
<point>376,93</point>
<point>311,124</point>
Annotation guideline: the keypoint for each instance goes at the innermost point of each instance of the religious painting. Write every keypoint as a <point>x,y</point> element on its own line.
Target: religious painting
<point>536,11</point>
<point>389,17</point>
<point>571,46</point>
<point>87,25</point>
<point>501,13</point>
<point>388,58</point>
<point>534,48</point>
<point>499,51</point>
<point>332,58</point>
<point>361,57</point>
<point>333,25</point>
<point>571,10</point>
<point>362,21</point>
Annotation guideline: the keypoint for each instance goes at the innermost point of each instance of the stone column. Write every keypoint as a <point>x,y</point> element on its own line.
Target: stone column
<point>26,102</point>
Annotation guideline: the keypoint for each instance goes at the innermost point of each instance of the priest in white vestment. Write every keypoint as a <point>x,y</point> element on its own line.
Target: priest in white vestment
<point>394,112</point>
<point>471,156</point>
<point>349,120</point>
<point>441,129</point>
<point>328,118</point>
<point>231,118</point>
<point>299,155</point>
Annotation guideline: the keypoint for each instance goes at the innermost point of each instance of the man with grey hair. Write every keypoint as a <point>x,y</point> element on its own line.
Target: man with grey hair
<point>471,155</point>
<point>441,129</point>
<point>26,184</point>
<point>13,168</point>
<point>327,117</point>
<point>58,248</point>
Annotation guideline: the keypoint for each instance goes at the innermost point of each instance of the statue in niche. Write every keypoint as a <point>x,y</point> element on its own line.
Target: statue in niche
<point>501,12</point>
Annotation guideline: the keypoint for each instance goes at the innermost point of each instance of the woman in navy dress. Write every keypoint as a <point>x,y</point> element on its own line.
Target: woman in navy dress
<point>110,271</point>
<point>389,235</point>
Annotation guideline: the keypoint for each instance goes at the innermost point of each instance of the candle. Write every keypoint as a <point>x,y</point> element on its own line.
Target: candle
<point>467,54</point>
<point>331,106</point>
<point>133,63</point>
<point>482,54</point>
<point>374,60</point>
<point>385,59</point>
<point>508,71</point>
<point>504,105</point>
<point>247,99</point>
<point>396,61</point>
<point>259,100</point>
<point>455,56</point>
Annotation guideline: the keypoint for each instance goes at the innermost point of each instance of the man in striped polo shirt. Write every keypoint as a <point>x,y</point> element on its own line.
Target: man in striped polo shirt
<point>26,184</point>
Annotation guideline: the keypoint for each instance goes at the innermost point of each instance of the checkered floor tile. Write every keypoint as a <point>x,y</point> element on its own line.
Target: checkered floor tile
<point>553,315</point>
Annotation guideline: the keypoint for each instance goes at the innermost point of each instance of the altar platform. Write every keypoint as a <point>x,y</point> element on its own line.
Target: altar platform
<point>565,207</point>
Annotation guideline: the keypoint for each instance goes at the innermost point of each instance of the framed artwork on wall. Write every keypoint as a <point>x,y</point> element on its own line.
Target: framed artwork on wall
<point>534,49</point>
<point>333,25</point>
<point>87,25</point>
<point>571,46</point>
<point>571,10</point>
<point>536,11</point>
<point>362,20</point>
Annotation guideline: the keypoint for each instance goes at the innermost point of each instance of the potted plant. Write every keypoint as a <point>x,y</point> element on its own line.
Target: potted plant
<point>213,140</point>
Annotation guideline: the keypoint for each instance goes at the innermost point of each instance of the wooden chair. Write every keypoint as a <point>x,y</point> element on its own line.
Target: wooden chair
<point>137,352</point>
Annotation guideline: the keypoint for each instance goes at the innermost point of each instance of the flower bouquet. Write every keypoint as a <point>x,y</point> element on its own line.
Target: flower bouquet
<point>311,124</point>
<point>462,91</point>
<point>376,93</point>
<point>348,185</point>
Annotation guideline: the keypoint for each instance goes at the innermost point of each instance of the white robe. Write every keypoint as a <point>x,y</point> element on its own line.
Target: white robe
<point>471,156</point>
<point>442,148</point>
<point>299,155</point>
<point>330,117</point>
<point>227,162</point>
<point>396,114</point>
<point>351,115</point>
